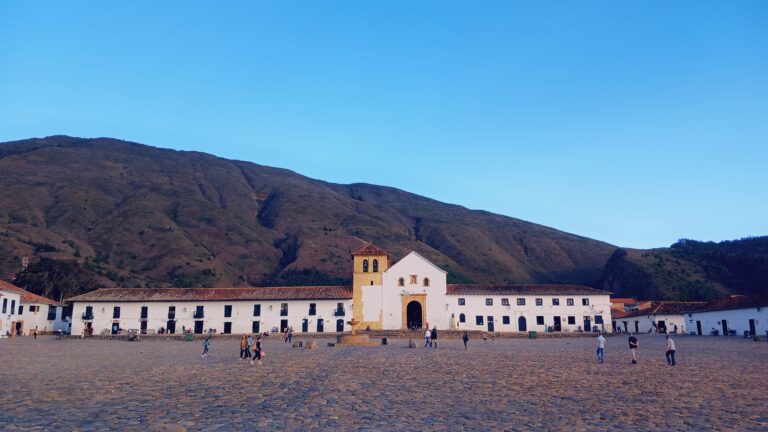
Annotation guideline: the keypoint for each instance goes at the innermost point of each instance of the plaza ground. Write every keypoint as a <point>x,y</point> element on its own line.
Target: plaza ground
<point>509,384</point>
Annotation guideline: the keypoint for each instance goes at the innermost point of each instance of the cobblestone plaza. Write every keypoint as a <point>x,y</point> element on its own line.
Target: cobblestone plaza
<point>507,384</point>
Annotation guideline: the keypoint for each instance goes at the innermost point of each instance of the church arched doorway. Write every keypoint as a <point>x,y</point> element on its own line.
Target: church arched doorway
<point>414,314</point>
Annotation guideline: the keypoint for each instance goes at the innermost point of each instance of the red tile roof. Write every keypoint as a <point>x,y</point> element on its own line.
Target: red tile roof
<point>623,300</point>
<point>370,250</point>
<point>26,296</point>
<point>213,294</point>
<point>734,302</point>
<point>548,289</point>
<point>663,308</point>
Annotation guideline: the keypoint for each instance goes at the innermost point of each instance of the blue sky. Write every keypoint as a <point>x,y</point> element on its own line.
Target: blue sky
<point>636,123</point>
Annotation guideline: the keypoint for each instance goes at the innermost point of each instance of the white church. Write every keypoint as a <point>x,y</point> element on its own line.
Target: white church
<point>409,294</point>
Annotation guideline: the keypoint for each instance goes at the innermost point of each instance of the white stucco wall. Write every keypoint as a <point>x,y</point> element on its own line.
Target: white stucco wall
<point>40,319</point>
<point>9,309</point>
<point>241,319</point>
<point>475,305</point>
<point>645,323</point>
<point>737,319</point>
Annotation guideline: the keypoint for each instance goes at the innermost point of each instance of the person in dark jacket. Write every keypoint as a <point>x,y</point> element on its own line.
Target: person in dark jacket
<point>434,337</point>
<point>465,338</point>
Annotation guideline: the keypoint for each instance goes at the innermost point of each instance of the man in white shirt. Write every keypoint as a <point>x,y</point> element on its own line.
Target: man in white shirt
<point>600,348</point>
<point>670,351</point>
<point>427,336</point>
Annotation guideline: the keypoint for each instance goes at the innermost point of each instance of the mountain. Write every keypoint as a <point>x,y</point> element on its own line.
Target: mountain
<point>104,212</point>
<point>689,270</point>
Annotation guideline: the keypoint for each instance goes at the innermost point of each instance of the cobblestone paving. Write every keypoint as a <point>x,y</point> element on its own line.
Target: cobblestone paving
<point>512,384</point>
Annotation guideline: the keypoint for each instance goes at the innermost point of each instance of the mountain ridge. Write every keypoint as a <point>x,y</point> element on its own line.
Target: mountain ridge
<point>94,212</point>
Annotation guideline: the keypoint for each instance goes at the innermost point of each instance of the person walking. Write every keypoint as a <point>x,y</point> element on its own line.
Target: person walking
<point>257,353</point>
<point>434,336</point>
<point>428,336</point>
<point>286,335</point>
<point>290,335</point>
<point>600,348</point>
<point>633,345</point>
<point>243,344</point>
<point>35,332</point>
<point>465,338</point>
<point>670,351</point>
<point>248,345</point>
<point>206,346</point>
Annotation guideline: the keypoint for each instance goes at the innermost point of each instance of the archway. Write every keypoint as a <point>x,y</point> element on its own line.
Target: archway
<point>521,324</point>
<point>414,314</point>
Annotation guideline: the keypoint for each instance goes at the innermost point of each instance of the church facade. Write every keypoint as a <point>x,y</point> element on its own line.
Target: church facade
<point>411,293</point>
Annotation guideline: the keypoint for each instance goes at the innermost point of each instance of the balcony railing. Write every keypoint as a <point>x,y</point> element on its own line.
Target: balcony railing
<point>88,316</point>
<point>338,312</point>
<point>199,315</point>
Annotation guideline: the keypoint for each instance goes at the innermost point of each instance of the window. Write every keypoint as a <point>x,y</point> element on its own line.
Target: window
<point>571,320</point>
<point>283,309</point>
<point>116,312</point>
<point>539,302</point>
<point>227,327</point>
<point>365,266</point>
<point>313,309</point>
<point>462,302</point>
<point>521,302</point>
<point>375,266</point>
<point>401,282</point>
<point>585,302</point>
<point>505,302</point>
<point>598,319</point>
<point>505,320</point>
<point>539,320</point>
<point>171,312</point>
<point>33,309</point>
<point>555,302</point>
<point>426,282</point>
<point>489,302</point>
<point>257,310</point>
<point>21,310</point>
<point>227,311</point>
<point>5,305</point>
<point>414,278</point>
<point>199,312</point>
<point>569,302</point>
<point>479,320</point>
<point>462,318</point>
<point>13,306</point>
<point>145,312</point>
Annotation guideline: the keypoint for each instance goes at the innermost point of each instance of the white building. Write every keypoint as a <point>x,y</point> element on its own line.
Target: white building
<point>654,317</point>
<point>732,315</point>
<point>410,294</point>
<point>227,310</point>
<point>9,303</point>
<point>35,311</point>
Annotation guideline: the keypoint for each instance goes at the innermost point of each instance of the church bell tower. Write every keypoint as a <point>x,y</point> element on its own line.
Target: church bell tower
<point>369,264</point>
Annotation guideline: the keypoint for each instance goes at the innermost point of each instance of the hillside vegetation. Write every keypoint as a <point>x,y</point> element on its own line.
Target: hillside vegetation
<point>689,270</point>
<point>104,212</point>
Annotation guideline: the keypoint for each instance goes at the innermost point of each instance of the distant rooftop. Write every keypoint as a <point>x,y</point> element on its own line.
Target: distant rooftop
<point>26,296</point>
<point>213,294</point>
<point>527,289</point>
<point>370,250</point>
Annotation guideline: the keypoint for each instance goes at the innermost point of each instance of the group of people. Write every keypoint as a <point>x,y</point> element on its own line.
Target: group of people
<point>246,343</point>
<point>634,345</point>
<point>431,338</point>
